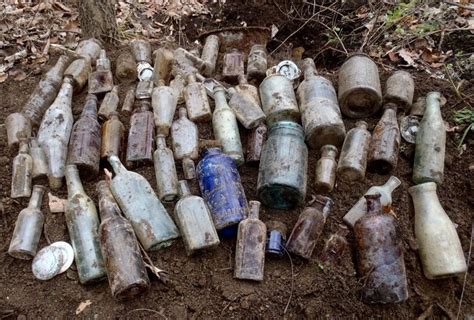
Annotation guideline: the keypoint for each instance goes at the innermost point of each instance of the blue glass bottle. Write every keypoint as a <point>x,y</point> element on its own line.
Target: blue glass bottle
<point>220,185</point>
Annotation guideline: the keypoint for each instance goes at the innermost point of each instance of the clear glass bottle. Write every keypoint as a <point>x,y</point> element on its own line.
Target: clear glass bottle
<point>126,67</point>
<point>353,158</point>
<point>245,103</point>
<point>79,71</point>
<point>40,163</point>
<point>163,65</point>
<point>152,224</point>
<point>250,246</point>
<point>128,102</point>
<point>326,169</point>
<point>28,227</point>
<point>113,132</point>
<point>399,89</point>
<point>109,104</point>
<point>101,80</point>
<point>257,63</point>
<point>164,104</point>
<point>233,65</point>
<point>22,172</point>
<point>225,127</point>
<point>165,171</point>
<point>335,248</point>
<point>209,54</point>
<point>430,145</point>
<point>440,249</point>
<point>141,136</point>
<point>196,100</point>
<point>195,221</point>
<point>185,143</point>
<point>83,225</point>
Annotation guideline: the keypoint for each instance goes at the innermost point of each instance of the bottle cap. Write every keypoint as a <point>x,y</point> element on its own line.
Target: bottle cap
<point>289,69</point>
<point>409,128</point>
<point>68,254</point>
<point>48,262</point>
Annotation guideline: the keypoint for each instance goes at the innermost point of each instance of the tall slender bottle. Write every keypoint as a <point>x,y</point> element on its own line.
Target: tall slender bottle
<point>113,133</point>
<point>225,127</point>
<point>40,163</point>
<point>54,133</point>
<point>164,103</point>
<point>123,261</point>
<point>22,172</point>
<point>165,171</point>
<point>152,224</point>
<point>353,158</point>
<point>28,227</point>
<point>430,143</point>
<point>308,228</point>
<point>380,255</point>
<point>250,246</point>
<point>83,225</point>
<point>439,246</point>
<point>184,138</point>
<point>84,146</point>
<point>195,221</point>
<point>140,136</point>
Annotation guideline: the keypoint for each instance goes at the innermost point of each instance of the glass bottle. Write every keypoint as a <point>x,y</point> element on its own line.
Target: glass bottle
<point>439,246</point>
<point>164,103</point>
<point>196,100</point>
<point>399,89</point>
<point>245,103</point>
<point>79,71</point>
<point>123,261</point>
<point>126,67</point>
<point>28,227</point>
<point>209,54</point>
<point>380,255</point>
<point>282,173</point>
<point>233,65</point>
<point>163,65</point>
<point>257,63</point>
<point>128,102</point>
<point>165,171</point>
<point>83,225</point>
<point>178,84</point>
<point>22,173</point>
<point>141,50</point>
<point>353,158</point>
<point>101,80</point>
<point>220,185</point>
<point>40,163</point>
<point>152,224</point>
<point>308,228</point>
<point>255,144</point>
<point>225,127</point>
<point>276,239</point>
<point>109,104</point>
<point>54,133</point>
<point>360,208</point>
<point>195,221</point>
<point>326,169</point>
<point>185,143</point>
<point>335,248</point>
<point>430,143</point>
<point>112,137</point>
<point>140,136</point>
<point>250,246</point>
<point>18,127</point>
<point>84,145</point>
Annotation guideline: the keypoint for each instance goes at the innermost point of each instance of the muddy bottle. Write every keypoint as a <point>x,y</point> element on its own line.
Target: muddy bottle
<point>276,239</point>
<point>177,84</point>
<point>54,133</point>
<point>186,63</point>
<point>89,48</point>
<point>225,127</point>
<point>257,63</point>
<point>18,127</point>
<point>359,92</point>
<point>399,89</point>
<point>380,256</point>
<point>184,140</point>
<point>84,145</point>
<point>255,143</point>
<point>220,185</point>
<point>79,71</point>
<point>385,143</point>
<point>40,163</point>
<point>112,137</point>
<point>128,102</point>
<point>360,208</point>
<point>430,143</point>
<point>196,100</point>
<point>164,103</point>
<point>194,220</point>
<point>245,103</point>
<point>123,261</point>
<point>278,99</point>
<point>282,173</point>
<point>163,65</point>
<point>233,65</point>
<point>209,54</point>
<point>353,158</point>
<point>152,224</point>
<point>335,248</point>
<point>165,171</point>
<point>83,225</point>
<point>101,80</point>
<point>140,136</point>
<point>109,104</point>
<point>439,246</point>
<point>320,113</point>
<point>22,172</point>
<point>28,227</point>
<point>141,50</point>
<point>326,169</point>
<point>308,228</point>
<point>45,91</point>
<point>144,90</point>
<point>250,246</point>
<point>126,67</point>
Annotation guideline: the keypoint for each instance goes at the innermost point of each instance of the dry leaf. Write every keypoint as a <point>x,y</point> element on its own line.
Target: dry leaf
<point>3,77</point>
<point>17,74</point>
<point>393,57</point>
<point>82,306</point>
<point>407,56</point>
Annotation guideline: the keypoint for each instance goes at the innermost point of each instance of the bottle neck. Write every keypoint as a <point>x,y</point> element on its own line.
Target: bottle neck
<point>74,184</point>
<point>117,166</point>
<point>183,189</point>
<point>59,67</point>
<point>219,98</point>
<point>36,197</point>
<point>23,147</point>
<point>392,183</point>
<point>373,203</point>
<point>90,107</point>
<point>323,204</point>
<point>329,151</point>
<point>108,207</point>
<point>309,68</point>
<point>183,113</point>
<point>433,100</point>
<point>361,125</point>
<point>254,209</point>
<point>160,142</point>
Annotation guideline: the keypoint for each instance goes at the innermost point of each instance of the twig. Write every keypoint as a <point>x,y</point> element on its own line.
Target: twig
<point>292,281</point>
<point>458,5</point>
<point>147,310</point>
<point>465,275</point>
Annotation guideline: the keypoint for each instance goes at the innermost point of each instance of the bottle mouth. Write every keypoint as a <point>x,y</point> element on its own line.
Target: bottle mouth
<point>286,125</point>
<point>427,186</point>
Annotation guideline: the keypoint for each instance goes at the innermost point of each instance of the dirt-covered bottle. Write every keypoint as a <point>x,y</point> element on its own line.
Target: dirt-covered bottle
<point>101,80</point>
<point>399,89</point>
<point>209,54</point>
<point>326,169</point>
<point>40,163</point>
<point>245,103</point>
<point>109,104</point>
<point>185,142</point>
<point>141,136</point>
<point>18,127</point>
<point>22,172</point>
<point>163,65</point>
<point>83,225</point>
<point>124,264</point>
<point>113,133</point>
<point>255,143</point>
<point>196,100</point>
<point>165,171</point>
<point>233,65</point>
<point>28,227</point>
<point>257,63</point>
<point>353,158</point>
<point>164,103</point>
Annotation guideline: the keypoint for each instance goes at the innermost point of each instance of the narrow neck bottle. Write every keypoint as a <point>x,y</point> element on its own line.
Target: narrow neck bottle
<point>219,98</point>
<point>103,63</point>
<point>90,107</point>
<point>56,72</point>
<point>391,184</point>
<point>65,93</point>
<point>107,204</point>
<point>432,108</point>
<point>254,209</point>
<point>74,184</point>
<point>23,147</point>
<point>183,189</point>
<point>309,68</point>
<point>361,125</point>
<point>160,142</point>
<point>36,197</point>
<point>190,79</point>
<point>183,113</point>
<point>323,204</point>
<point>117,166</point>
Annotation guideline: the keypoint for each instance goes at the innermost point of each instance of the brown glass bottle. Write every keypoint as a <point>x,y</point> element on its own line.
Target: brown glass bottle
<point>112,137</point>
<point>141,136</point>
<point>84,145</point>
<point>335,248</point>
<point>380,256</point>
<point>120,249</point>
<point>309,227</point>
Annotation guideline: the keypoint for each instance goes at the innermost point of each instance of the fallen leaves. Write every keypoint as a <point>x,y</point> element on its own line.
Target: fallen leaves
<point>82,306</point>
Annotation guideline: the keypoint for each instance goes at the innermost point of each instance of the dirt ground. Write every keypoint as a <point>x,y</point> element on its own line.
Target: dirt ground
<point>202,287</point>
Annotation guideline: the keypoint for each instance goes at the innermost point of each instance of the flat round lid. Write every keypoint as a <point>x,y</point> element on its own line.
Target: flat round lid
<point>48,262</point>
<point>68,254</point>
